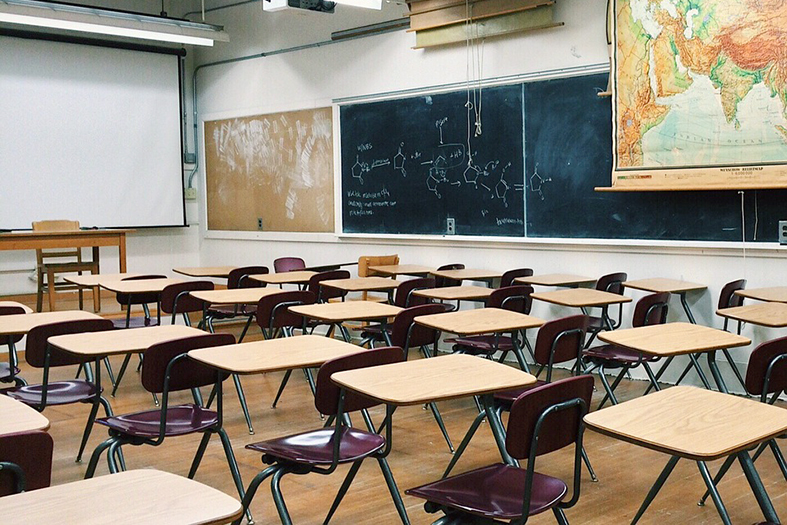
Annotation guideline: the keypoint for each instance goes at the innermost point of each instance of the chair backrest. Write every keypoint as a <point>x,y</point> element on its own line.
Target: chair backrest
<point>508,277</point>
<point>559,428</point>
<point>36,347</point>
<point>442,282</point>
<point>326,397</point>
<point>273,310</point>
<point>404,292</point>
<point>175,298</point>
<point>288,264</point>
<point>139,298</point>
<point>365,261</point>
<point>612,283</point>
<point>56,225</point>
<point>236,277</point>
<point>560,340</point>
<point>767,364</point>
<point>515,298</point>
<point>323,294</point>
<point>11,310</point>
<point>32,452</point>
<point>186,373</point>
<point>406,334</point>
<point>651,309</point>
<point>727,296</point>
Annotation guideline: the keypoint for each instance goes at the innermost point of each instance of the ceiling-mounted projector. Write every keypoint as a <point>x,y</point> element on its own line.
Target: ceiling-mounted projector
<point>319,6</point>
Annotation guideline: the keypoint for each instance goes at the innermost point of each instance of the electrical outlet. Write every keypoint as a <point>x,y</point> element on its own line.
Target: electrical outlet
<point>450,226</point>
<point>191,194</point>
<point>259,223</point>
<point>782,232</point>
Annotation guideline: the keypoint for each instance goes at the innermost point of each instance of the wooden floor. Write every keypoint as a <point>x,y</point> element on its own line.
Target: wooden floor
<point>419,455</point>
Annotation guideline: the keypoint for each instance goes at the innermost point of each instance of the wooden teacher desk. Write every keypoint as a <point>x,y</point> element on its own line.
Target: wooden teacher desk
<point>133,497</point>
<point>30,240</point>
<point>696,424</point>
<point>673,339</point>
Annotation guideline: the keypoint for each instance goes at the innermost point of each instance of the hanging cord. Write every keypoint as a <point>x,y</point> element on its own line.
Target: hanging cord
<point>474,66</point>
<point>756,214</point>
<point>743,228</point>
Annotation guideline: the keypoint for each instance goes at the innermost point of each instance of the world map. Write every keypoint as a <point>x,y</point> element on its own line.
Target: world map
<point>698,84</point>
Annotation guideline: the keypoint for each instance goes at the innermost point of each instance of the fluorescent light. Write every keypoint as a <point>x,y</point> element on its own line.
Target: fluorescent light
<point>368,4</point>
<point>107,22</point>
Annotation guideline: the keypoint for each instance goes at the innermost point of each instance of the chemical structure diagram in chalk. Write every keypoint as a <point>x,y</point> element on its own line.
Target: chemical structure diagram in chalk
<point>443,163</point>
<point>537,182</point>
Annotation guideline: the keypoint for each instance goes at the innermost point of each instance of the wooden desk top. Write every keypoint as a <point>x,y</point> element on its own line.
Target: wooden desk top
<point>579,297</point>
<point>402,269</point>
<point>27,309</point>
<point>673,339</point>
<point>18,417</point>
<point>658,285</point>
<point>220,272</point>
<point>234,296</point>
<point>363,284</point>
<point>433,379</point>
<point>346,311</point>
<point>774,294</point>
<point>691,422</point>
<point>97,279</point>
<point>138,286</point>
<point>468,274</point>
<point>773,315</point>
<point>555,279</point>
<point>479,321</point>
<point>457,293</point>
<point>113,342</point>
<point>22,323</point>
<point>273,355</point>
<point>294,277</point>
<point>134,497</point>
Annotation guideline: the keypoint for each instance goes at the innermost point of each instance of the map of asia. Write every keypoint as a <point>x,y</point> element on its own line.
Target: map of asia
<point>700,94</point>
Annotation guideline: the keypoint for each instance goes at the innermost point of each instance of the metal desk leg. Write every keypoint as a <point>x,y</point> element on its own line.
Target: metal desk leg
<point>654,490</point>
<point>757,487</point>
<point>686,308</point>
<point>496,425</point>
<point>698,368</point>
<point>714,493</point>
<point>714,368</point>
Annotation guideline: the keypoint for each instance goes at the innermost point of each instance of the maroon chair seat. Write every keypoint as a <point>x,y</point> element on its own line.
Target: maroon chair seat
<point>288,264</point>
<point>481,344</point>
<point>316,447</point>
<point>494,492</point>
<point>182,419</point>
<point>506,398</point>
<point>617,356</point>
<point>57,393</point>
<point>542,420</point>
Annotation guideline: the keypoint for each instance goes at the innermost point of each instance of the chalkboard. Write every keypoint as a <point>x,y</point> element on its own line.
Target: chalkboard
<point>568,152</point>
<point>563,129</point>
<point>408,165</point>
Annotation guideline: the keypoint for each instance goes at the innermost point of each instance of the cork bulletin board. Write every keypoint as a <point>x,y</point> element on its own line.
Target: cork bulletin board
<point>271,172</point>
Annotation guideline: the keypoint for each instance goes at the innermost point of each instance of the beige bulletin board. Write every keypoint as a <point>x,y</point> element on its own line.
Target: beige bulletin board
<point>271,172</point>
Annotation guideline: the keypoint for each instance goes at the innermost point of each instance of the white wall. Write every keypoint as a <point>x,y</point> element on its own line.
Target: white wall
<point>385,63</point>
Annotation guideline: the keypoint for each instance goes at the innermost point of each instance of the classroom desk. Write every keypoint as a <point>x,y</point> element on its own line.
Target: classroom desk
<point>556,279</point>
<point>20,324</point>
<point>133,497</point>
<point>772,315</point>
<point>582,298</point>
<point>469,274</point>
<point>364,284</point>
<point>233,296</point>
<point>294,277</point>
<point>91,280</point>
<point>219,272</point>
<point>435,379</point>
<point>483,321</point>
<point>699,425</point>
<point>30,240</point>
<point>456,293</point>
<point>659,285</point>
<point>392,270</point>
<point>19,417</point>
<point>673,339</point>
<point>97,345</point>
<point>329,267</point>
<point>773,294</point>
<point>137,285</point>
<point>335,314</point>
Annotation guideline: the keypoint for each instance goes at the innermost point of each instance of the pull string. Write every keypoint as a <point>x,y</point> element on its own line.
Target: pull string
<point>743,231</point>
<point>474,72</point>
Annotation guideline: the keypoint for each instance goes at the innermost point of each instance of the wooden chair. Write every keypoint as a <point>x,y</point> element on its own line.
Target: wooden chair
<point>364,262</point>
<point>49,263</point>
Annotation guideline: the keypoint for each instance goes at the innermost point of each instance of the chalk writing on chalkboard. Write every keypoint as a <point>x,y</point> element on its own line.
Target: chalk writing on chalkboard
<point>408,165</point>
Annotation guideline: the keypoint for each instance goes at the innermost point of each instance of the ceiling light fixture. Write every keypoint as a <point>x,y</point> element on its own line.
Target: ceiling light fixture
<point>107,22</point>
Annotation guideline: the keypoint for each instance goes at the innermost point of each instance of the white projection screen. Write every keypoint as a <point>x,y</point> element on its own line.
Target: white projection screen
<point>89,133</point>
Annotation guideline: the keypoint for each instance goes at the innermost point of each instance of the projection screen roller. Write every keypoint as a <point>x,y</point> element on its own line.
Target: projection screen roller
<point>89,133</point>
